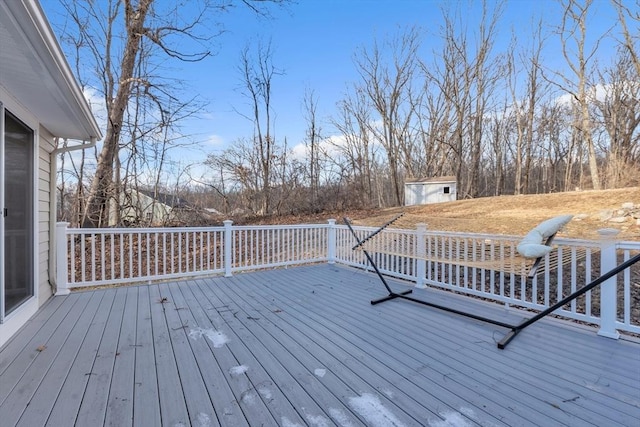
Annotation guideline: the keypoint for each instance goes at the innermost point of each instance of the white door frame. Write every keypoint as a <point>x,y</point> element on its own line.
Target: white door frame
<point>9,324</point>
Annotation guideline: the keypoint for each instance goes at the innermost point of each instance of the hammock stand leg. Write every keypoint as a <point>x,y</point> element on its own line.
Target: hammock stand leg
<point>392,294</point>
<point>517,329</point>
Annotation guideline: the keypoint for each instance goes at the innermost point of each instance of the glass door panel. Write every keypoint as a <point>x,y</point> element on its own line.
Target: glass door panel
<point>18,213</point>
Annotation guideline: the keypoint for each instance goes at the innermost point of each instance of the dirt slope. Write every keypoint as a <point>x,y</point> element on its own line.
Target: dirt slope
<point>516,215</point>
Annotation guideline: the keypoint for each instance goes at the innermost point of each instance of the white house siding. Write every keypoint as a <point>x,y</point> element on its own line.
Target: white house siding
<point>45,147</point>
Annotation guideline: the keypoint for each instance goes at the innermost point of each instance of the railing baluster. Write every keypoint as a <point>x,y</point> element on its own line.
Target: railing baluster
<point>131,265</point>
<point>180,269</point>
<point>195,253</point>
<point>156,272</point>
<point>172,251</point>
<point>148,250</point>
<point>92,257</point>
<point>72,244</point>
<point>83,252</point>
<point>102,257</point>
<point>588,278</point>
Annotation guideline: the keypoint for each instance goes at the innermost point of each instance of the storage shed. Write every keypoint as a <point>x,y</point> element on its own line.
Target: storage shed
<point>423,191</point>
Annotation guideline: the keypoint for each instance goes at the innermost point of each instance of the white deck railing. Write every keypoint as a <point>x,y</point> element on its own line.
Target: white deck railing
<point>93,257</point>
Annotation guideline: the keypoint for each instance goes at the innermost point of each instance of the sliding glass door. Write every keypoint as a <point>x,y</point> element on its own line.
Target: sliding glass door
<point>17,169</point>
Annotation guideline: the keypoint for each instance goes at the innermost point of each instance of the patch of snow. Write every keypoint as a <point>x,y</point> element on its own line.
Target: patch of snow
<point>340,417</point>
<point>451,419</point>
<point>286,422</point>
<point>317,420</point>
<point>320,372</point>
<point>468,412</point>
<point>265,392</point>
<point>238,370</point>
<point>388,393</point>
<point>371,409</point>
<point>196,333</point>
<point>218,338</point>
<point>248,397</point>
<point>203,420</point>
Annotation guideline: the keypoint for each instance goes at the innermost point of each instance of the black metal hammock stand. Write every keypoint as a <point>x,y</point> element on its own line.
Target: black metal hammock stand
<point>514,330</point>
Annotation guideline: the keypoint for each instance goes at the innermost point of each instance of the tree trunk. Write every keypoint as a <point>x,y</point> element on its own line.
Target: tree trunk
<point>98,203</point>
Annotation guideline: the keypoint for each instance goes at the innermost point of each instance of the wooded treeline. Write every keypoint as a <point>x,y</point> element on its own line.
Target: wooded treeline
<point>497,116</point>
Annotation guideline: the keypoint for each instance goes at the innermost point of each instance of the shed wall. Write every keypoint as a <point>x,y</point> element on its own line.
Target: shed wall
<point>423,193</point>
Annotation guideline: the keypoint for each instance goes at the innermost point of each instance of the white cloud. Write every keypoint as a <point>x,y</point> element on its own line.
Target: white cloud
<point>600,92</point>
<point>214,140</point>
<point>299,151</point>
<point>98,107</point>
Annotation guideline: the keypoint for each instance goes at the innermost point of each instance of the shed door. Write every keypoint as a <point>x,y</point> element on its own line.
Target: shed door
<point>16,156</point>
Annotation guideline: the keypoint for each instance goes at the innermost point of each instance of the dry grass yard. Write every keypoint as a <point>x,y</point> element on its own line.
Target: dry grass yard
<point>516,215</point>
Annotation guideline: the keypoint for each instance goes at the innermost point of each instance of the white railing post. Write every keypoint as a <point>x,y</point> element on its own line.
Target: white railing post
<point>228,239</point>
<point>421,255</point>
<point>331,242</point>
<point>62,256</point>
<point>608,289</point>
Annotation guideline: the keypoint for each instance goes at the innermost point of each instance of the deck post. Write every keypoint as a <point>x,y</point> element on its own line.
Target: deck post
<point>608,289</point>
<point>61,257</point>
<point>331,242</point>
<point>421,255</point>
<point>228,239</point>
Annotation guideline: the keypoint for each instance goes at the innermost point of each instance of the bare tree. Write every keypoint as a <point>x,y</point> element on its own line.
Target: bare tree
<point>629,17</point>
<point>573,37</point>
<point>312,141</point>
<point>257,73</point>
<point>117,37</point>
<point>467,75</point>
<point>388,86</point>
<point>617,110</point>
<point>525,105</point>
<point>356,145</point>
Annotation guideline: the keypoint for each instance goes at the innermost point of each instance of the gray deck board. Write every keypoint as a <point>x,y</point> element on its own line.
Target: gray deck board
<point>45,396</point>
<point>46,355</point>
<point>488,362</point>
<point>545,370</point>
<point>286,363</point>
<point>69,398</point>
<point>472,355</point>
<point>322,351</point>
<point>17,343</point>
<point>95,400</point>
<point>17,365</point>
<point>518,389</point>
<point>303,346</point>
<point>408,379</point>
<point>387,358</point>
<point>145,398</point>
<point>120,401</point>
<point>216,380</point>
<point>258,399</point>
<point>195,392</point>
<point>173,408</point>
<point>230,354</point>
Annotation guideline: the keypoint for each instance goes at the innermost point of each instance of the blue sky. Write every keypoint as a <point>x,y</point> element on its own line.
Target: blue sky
<point>314,43</point>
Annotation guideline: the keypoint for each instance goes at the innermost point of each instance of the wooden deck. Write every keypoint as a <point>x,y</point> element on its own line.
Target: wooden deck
<point>303,346</point>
